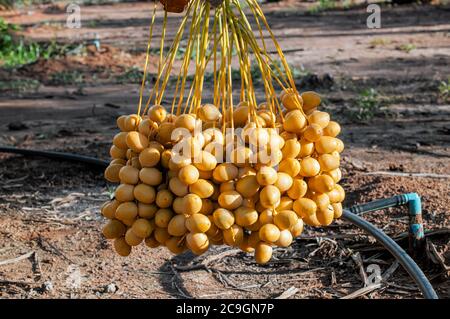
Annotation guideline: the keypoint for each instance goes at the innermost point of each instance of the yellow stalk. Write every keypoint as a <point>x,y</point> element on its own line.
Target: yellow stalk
<point>147,56</point>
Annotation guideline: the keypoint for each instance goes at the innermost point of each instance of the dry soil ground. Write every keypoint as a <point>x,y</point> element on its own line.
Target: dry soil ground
<point>49,211</point>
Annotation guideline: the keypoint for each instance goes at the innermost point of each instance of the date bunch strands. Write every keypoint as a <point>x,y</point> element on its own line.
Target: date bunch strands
<point>177,190</point>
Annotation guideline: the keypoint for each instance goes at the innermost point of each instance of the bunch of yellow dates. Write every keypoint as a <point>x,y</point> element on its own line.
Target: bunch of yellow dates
<point>250,178</point>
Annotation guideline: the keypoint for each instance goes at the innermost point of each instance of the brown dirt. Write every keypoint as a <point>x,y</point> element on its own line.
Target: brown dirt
<point>108,60</point>
<point>52,208</point>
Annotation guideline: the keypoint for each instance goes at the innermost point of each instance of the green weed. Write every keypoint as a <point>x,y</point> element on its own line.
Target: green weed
<point>323,5</point>
<point>20,85</point>
<point>407,47</point>
<point>132,75</point>
<point>17,52</point>
<point>67,78</point>
<point>367,105</point>
<point>379,42</point>
<point>444,89</point>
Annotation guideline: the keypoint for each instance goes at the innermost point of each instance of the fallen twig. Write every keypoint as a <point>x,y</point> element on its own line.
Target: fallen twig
<point>17,259</point>
<point>176,276</point>
<point>208,260</point>
<point>329,236</point>
<point>216,294</point>
<point>363,291</point>
<point>17,283</point>
<point>19,179</point>
<point>435,256</point>
<point>49,247</point>
<point>288,293</point>
<point>390,271</point>
<point>362,272</point>
<point>398,291</point>
<point>333,278</point>
<point>403,287</point>
<point>37,266</point>
<point>403,174</point>
<point>227,282</point>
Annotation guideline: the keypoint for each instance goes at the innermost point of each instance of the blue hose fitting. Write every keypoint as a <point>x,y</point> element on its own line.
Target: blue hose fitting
<point>416,231</point>
<point>414,203</point>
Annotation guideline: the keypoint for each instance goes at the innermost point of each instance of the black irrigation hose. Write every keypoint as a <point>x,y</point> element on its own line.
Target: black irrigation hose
<point>56,155</point>
<point>403,258</point>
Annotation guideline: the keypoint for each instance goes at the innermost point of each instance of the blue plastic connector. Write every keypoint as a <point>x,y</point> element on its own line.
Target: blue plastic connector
<point>416,230</point>
<point>414,203</point>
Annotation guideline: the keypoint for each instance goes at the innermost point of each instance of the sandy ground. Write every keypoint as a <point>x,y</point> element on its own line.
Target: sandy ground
<point>49,211</point>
